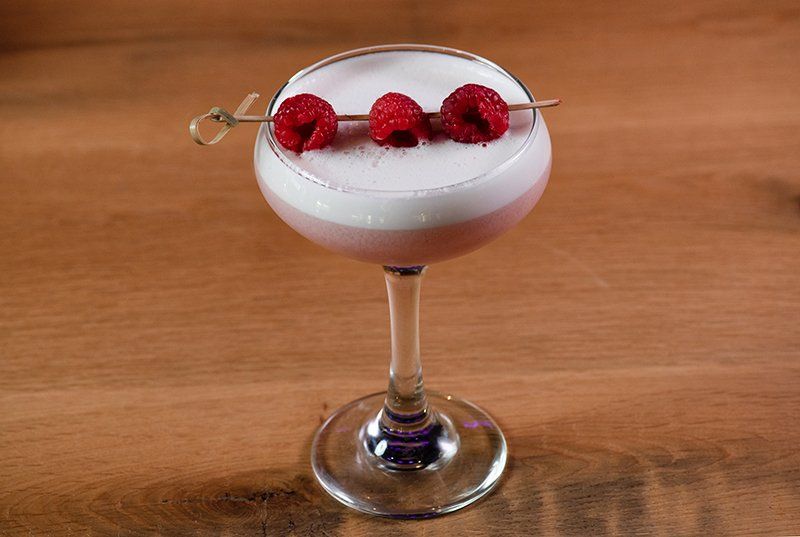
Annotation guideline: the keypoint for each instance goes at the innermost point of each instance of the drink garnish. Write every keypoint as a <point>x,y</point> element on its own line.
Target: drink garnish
<point>316,129</point>
<point>305,122</point>
<point>474,114</point>
<point>397,120</point>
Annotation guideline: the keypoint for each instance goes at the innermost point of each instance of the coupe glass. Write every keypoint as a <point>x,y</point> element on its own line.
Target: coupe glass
<point>407,452</point>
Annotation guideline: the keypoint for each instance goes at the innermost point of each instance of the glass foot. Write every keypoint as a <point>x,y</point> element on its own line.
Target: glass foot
<point>457,460</point>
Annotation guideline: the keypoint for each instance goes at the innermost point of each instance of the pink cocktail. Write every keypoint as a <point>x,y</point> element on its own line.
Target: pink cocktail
<point>405,452</point>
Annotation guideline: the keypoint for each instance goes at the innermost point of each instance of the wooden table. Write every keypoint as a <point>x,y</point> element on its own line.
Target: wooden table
<point>168,346</point>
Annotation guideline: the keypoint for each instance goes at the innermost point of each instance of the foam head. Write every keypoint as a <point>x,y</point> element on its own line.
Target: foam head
<point>355,161</point>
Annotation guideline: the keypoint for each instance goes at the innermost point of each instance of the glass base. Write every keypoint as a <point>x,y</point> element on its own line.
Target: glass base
<point>469,455</point>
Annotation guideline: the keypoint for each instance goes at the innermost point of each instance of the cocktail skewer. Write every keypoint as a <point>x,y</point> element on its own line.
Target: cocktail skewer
<point>220,115</point>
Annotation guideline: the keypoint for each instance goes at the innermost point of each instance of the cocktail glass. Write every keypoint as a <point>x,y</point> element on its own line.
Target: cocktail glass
<point>407,452</point>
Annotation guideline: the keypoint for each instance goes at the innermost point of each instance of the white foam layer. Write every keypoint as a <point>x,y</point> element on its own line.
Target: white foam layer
<point>355,161</point>
<point>427,186</point>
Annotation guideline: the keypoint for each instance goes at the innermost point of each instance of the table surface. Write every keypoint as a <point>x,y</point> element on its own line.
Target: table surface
<point>168,347</point>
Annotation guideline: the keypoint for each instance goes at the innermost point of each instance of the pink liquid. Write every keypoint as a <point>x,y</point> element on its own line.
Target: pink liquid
<point>408,247</point>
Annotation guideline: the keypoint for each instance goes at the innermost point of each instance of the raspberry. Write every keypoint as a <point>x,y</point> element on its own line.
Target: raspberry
<point>398,120</point>
<point>305,122</point>
<point>473,114</point>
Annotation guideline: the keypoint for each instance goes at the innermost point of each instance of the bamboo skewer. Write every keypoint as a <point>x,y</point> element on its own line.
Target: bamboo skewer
<point>431,115</point>
<point>220,115</point>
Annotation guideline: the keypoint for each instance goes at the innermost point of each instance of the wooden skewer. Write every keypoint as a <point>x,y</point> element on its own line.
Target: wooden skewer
<point>431,115</point>
<point>220,115</point>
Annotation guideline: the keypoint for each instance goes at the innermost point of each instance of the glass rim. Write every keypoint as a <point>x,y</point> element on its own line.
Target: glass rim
<point>267,132</point>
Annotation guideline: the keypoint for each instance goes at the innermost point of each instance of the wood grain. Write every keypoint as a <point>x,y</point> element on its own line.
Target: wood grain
<point>168,346</point>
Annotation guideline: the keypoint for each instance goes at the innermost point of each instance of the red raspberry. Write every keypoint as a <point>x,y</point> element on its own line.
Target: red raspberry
<point>305,122</point>
<point>398,120</point>
<point>473,114</point>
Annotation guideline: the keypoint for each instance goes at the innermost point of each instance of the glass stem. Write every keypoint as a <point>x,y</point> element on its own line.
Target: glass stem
<point>406,407</point>
<point>406,434</point>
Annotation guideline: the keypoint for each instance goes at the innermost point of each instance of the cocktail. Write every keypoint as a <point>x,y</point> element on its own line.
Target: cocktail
<point>410,200</point>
